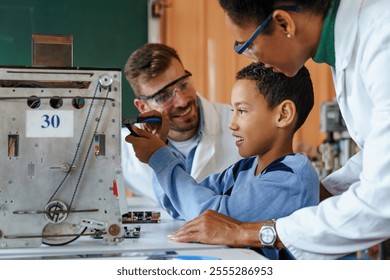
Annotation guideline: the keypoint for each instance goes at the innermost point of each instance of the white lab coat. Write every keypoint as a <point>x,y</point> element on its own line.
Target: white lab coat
<point>358,216</point>
<point>215,152</point>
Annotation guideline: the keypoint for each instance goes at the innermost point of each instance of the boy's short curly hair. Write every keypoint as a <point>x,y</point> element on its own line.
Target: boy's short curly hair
<point>276,87</point>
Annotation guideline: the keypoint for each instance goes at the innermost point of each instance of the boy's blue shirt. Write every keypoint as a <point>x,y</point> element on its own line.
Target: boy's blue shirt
<point>287,184</point>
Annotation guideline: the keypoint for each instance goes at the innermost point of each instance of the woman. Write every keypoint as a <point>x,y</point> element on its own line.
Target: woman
<point>353,37</point>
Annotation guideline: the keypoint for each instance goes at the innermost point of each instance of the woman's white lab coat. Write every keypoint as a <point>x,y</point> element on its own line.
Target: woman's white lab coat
<point>358,216</point>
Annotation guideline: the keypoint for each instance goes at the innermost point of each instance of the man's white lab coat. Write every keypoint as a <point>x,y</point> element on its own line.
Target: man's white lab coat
<point>216,151</point>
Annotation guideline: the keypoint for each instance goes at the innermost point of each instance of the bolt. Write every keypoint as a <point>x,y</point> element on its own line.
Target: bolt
<point>114,229</point>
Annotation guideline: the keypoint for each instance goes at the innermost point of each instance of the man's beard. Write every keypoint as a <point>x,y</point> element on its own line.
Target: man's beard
<point>188,124</point>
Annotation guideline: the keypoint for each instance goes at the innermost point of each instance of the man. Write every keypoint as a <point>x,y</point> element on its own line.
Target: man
<point>271,181</point>
<point>344,35</point>
<point>198,133</point>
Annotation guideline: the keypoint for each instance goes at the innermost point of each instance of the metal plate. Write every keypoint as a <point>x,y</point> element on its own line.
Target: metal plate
<point>60,141</point>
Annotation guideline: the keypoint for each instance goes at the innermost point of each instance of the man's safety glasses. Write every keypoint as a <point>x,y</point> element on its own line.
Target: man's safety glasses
<point>168,92</point>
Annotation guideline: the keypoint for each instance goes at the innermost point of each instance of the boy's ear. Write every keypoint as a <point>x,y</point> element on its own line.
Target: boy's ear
<point>287,113</point>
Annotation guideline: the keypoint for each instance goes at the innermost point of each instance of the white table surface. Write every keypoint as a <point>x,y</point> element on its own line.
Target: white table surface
<point>153,243</point>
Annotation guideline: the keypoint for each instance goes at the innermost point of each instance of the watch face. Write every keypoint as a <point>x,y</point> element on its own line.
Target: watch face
<point>267,235</point>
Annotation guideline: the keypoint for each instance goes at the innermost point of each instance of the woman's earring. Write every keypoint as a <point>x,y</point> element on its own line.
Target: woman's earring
<point>289,35</point>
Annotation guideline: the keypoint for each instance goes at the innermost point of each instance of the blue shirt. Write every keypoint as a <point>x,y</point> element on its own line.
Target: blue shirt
<point>287,184</point>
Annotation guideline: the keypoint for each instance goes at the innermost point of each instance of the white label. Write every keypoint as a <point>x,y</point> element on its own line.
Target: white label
<point>49,123</point>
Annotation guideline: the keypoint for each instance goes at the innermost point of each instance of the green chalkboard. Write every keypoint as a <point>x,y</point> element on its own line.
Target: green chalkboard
<point>104,32</point>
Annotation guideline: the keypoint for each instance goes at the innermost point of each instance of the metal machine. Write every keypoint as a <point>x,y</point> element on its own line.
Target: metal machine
<point>60,156</point>
<point>338,146</point>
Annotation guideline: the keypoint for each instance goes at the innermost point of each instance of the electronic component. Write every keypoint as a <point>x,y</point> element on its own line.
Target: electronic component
<point>141,217</point>
<point>133,232</point>
<point>129,232</point>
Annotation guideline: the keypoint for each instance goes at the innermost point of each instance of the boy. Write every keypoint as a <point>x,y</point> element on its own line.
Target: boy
<point>271,181</point>
<point>196,125</point>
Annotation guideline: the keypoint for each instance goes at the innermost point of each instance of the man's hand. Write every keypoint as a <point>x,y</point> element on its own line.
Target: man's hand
<point>214,228</point>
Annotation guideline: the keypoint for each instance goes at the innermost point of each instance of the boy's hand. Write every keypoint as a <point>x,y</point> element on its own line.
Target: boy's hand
<point>145,144</point>
<point>151,137</point>
<point>161,130</point>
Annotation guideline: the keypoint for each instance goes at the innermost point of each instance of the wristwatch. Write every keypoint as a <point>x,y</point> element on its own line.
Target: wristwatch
<point>267,234</point>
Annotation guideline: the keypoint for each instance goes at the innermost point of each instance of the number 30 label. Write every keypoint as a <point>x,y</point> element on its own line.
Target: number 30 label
<point>49,123</point>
